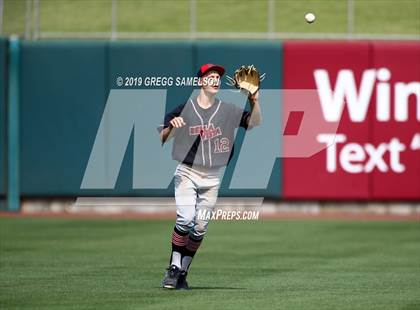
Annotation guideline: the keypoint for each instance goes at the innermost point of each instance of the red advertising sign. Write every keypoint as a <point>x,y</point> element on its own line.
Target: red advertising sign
<point>373,91</point>
<point>399,123</point>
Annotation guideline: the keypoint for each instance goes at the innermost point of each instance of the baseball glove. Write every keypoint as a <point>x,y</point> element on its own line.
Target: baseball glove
<point>247,78</point>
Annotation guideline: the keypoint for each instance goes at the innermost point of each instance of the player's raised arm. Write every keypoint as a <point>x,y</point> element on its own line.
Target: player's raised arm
<point>255,118</point>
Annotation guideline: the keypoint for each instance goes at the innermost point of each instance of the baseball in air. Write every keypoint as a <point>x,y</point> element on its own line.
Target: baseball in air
<point>310,17</point>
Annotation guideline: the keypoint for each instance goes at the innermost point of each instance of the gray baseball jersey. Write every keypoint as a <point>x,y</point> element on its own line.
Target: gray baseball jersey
<point>208,136</point>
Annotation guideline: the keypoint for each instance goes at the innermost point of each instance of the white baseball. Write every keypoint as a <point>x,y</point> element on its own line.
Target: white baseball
<point>310,17</point>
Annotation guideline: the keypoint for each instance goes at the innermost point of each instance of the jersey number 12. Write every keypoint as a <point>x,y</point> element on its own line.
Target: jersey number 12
<point>221,145</point>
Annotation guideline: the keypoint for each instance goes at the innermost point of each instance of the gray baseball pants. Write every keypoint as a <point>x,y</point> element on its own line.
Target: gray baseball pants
<point>196,188</point>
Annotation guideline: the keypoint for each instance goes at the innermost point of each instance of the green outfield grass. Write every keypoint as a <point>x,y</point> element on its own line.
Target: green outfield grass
<point>371,16</point>
<point>104,264</point>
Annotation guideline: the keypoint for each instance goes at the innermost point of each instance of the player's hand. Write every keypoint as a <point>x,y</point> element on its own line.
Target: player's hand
<point>254,98</point>
<point>177,122</point>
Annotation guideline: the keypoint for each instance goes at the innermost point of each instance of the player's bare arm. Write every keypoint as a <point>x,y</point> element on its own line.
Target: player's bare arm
<point>255,118</point>
<point>167,133</point>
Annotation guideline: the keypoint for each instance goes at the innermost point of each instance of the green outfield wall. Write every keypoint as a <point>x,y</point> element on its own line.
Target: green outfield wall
<point>54,96</point>
<point>63,89</point>
<point>3,124</point>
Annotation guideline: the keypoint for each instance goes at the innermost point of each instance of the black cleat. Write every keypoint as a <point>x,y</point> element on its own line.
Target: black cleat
<point>182,281</point>
<point>171,277</point>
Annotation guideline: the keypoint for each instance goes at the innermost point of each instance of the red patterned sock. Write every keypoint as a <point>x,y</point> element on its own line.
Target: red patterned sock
<point>179,242</point>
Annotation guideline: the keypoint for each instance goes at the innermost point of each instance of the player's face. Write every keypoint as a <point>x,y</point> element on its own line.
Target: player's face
<point>211,82</point>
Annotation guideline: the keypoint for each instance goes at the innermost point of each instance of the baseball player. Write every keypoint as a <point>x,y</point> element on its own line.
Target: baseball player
<point>203,130</point>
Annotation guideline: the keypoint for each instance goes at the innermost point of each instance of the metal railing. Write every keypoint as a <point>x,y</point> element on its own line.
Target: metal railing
<point>33,29</point>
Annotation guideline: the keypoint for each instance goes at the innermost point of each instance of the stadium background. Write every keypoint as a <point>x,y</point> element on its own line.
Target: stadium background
<point>54,82</point>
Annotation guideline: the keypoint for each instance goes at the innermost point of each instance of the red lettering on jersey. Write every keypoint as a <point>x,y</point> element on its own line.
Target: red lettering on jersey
<point>205,132</point>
